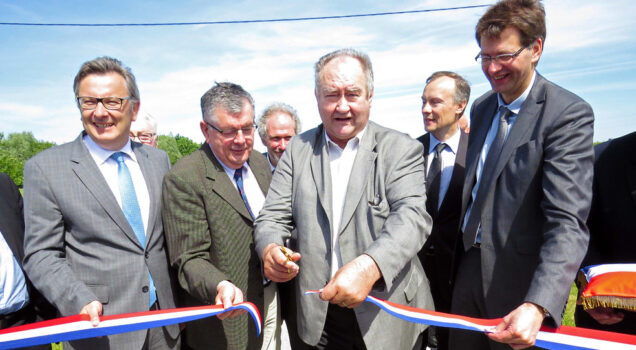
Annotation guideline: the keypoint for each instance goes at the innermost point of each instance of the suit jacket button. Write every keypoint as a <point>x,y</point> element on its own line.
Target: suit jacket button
<point>144,289</point>
<point>146,255</point>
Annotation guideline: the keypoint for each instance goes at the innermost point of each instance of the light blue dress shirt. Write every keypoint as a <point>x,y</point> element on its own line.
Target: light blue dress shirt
<point>13,291</point>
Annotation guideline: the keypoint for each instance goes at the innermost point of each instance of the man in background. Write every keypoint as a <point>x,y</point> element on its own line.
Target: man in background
<point>276,126</point>
<point>144,130</point>
<point>443,103</point>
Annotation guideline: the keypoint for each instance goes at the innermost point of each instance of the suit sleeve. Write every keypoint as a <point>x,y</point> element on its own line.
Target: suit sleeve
<point>567,193</point>
<point>45,259</point>
<point>408,225</point>
<point>188,238</point>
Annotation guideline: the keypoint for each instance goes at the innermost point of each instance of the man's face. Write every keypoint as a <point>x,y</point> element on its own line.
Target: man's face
<point>108,128</point>
<point>512,78</point>
<point>440,111</point>
<point>280,129</point>
<point>142,132</point>
<point>343,102</point>
<point>234,151</point>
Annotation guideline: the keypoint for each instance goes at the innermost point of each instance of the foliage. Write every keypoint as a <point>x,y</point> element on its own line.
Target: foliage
<point>176,146</point>
<point>186,146</point>
<point>15,150</point>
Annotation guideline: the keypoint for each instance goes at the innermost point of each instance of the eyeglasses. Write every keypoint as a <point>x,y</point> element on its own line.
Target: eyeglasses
<point>146,136</point>
<point>247,131</point>
<point>502,59</point>
<point>110,103</point>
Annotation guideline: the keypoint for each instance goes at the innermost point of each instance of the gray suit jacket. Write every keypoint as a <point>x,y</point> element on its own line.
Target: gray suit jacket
<point>534,234</point>
<point>79,246</point>
<point>384,216</point>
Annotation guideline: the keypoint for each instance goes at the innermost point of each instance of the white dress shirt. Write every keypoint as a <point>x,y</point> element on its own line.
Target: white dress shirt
<point>13,291</point>
<point>253,192</point>
<point>447,161</point>
<point>108,167</point>
<point>340,163</point>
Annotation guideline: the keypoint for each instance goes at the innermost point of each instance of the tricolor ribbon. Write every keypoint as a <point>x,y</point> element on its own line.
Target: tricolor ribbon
<point>562,338</point>
<point>80,326</point>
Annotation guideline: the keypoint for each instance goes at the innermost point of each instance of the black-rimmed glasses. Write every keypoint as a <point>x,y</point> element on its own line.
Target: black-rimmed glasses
<point>247,131</point>
<point>503,58</point>
<point>111,103</point>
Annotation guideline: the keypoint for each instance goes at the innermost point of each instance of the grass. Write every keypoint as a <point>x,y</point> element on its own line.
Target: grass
<point>568,317</point>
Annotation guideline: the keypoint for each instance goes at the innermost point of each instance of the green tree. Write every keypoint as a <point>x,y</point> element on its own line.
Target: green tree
<point>169,145</point>
<point>16,149</point>
<point>186,146</point>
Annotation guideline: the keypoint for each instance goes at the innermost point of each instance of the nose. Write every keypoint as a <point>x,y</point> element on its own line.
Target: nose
<point>493,66</point>
<point>100,110</point>
<point>283,144</point>
<point>426,108</point>
<point>343,105</point>
<point>240,137</point>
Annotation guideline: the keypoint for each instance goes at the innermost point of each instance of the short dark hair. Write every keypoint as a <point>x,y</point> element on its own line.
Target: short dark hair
<point>273,108</point>
<point>462,87</point>
<point>362,57</point>
<point>104,65</point>
<point>527,16</point>
<point>228,95</point>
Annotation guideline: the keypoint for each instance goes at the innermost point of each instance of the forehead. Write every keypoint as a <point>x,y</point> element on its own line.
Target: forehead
<point>440,86</point>
<point>224,116</point>
<point>509,39</point>
<point>342,72</point>
<point>280,121</point>
<point>103,84</point>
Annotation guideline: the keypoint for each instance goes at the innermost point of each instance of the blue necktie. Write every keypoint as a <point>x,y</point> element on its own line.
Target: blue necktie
<point>238,178</point>
<point>130,207</point>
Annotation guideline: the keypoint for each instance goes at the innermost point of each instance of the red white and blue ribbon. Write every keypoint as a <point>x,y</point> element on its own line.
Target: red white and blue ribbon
<point>562,338</point>
<point>80,326</point>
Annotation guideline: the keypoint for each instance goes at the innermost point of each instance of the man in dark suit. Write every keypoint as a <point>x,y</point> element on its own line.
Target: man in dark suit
<point>354,191</point>
<point>276,126</point>
<point>443,103</point>
<point>528,186</point>
<point>210,200</point>
<point>19,303</point>
<point>94,237</point>
<point>612,225</point>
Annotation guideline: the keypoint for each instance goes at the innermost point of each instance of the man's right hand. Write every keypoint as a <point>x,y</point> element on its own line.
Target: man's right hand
<point>227,294</point>
<point>277,266</point>
<point>93,309</point>
<point>606,315</point>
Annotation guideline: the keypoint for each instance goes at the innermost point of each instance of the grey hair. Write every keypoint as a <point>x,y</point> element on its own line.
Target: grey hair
<point>275,107</point>
<point>462,87</point>
<point>147,119</point>
<point>362,57</point>
<point>104,65</point>
<point>227,95</point>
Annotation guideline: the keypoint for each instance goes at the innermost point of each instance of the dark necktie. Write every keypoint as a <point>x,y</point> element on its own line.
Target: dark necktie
<point>132,212</point>
<point>433,180</point>
<point>238,178</point>
<point>474,220</point>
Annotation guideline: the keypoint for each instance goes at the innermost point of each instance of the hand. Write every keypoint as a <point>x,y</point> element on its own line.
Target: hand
<point>227,294</point>
<point>93,309</point>
<point>277,266</point>
<point>606,315</point>
<point>352,283</point>
<point>520,327</point>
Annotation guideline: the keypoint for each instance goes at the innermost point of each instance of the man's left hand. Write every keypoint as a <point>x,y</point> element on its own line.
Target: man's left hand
<point>520,327</point>
<point>352,283</point>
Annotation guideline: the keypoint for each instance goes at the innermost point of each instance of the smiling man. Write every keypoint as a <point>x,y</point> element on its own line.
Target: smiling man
<point>94,237</point>
<point>527,189</point>
<point>211,198</point>
<point>443,103</point>
<point>276,126</point>
<point>354,191</point>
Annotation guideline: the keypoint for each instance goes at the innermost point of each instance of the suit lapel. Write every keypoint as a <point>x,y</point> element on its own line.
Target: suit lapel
<point>221,183</point>
<point>457,178</point>
<point>153,183</point>
<point>89,174</point>
<point>263,175</point>
<point>631,177</point>
<point>321,172</point>
<point>360,171</point>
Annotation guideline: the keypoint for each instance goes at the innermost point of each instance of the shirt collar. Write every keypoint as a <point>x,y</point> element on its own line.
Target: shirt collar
<point>452,142</point>
<point>515,106</point>
<point>354,141</point>
<point>272,167</point>
<point>101,155</point>
<point>227,169</point>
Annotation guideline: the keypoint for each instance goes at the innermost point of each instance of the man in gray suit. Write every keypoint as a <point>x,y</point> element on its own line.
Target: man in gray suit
<point>528,186</point>
<point>94,238</point>
<point>355,193</point>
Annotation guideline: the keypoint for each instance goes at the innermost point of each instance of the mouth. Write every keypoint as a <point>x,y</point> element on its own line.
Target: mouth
<point>497,78</point>
<point>103,125</point>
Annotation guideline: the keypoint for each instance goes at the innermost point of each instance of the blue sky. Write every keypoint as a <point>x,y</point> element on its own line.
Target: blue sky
<point>590,50</point>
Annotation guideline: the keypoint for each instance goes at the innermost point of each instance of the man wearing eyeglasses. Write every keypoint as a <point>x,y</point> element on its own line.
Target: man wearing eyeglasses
<point>144,130</point>
<point>527,190</point>
<point>94,239</point>
<point>211,198</point>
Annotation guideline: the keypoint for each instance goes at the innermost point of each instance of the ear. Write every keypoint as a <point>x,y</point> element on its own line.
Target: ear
<point>460,108</point>
<point>204,129</point>
<point>537,50</point>
<point>370,97</point>
<point>135,108</point>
